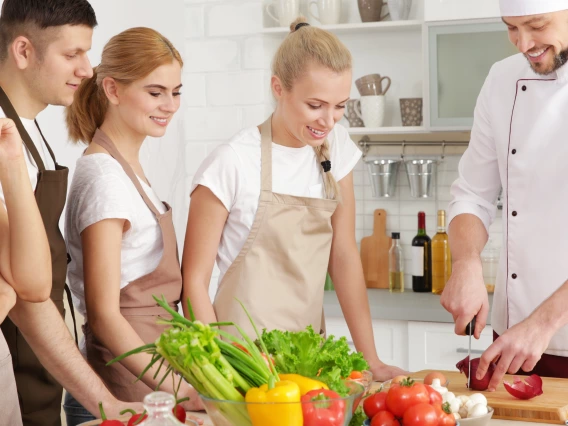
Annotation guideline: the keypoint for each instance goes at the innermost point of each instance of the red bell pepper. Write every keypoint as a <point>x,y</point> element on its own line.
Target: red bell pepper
<point>106,422</point>
<point>323,407</point>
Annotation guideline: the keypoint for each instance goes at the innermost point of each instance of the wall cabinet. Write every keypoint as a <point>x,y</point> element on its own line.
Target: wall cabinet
<point>416,346</point>
<point>445,10</point>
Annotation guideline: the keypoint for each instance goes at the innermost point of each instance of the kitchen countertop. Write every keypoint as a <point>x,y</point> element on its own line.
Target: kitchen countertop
<point>407,306</point>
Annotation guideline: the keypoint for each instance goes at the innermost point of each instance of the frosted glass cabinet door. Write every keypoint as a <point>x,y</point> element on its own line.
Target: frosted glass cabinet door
<point>445,10</point>
<point>460,57</point>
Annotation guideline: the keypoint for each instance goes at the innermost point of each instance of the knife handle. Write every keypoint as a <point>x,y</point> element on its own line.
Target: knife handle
<point>470,328</point>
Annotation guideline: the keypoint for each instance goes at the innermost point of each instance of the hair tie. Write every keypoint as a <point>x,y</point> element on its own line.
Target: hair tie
<point>300,25</point>
<point>326,166</point>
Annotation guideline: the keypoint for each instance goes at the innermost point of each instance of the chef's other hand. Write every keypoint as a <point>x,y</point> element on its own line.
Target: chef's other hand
<point>383,372</point>
<point>465,296</point>
<point>520,347</point>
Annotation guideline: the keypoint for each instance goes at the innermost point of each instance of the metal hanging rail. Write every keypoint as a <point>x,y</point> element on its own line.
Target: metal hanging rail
<point>365,143</point>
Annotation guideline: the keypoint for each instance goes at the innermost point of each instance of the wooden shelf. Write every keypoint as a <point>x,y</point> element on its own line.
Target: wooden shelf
<point>410,25</point>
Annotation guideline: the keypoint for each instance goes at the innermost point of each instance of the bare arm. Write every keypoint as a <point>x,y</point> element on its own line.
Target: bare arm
<point>7,299</point>
<point>48,336</point>
<point>22,233</point>
<point>346,273</point>
<point>102,262</point>
<point>465,295</point>
<point>207,217</point>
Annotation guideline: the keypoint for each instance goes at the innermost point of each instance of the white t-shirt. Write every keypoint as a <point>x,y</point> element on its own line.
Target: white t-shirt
<point>232,173</point>
<point>33,131</point>
<point>101,190</point>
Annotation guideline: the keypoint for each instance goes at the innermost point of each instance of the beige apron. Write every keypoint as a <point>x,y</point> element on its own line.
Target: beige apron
<point>280,272</point>
<point>9,406</point>
<point>136,303</point>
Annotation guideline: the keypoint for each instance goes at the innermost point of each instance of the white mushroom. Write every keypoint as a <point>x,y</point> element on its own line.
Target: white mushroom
<point>454,405</point>
<point>463,412</point>
<point>477,410</point>
<point>463,399</point>
<point>456,416</point>
<point>478,398</point>
<point>437,386</point>
<point>448,397</point>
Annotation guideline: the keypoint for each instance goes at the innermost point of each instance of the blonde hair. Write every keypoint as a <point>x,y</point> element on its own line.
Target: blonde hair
<point>127,57</point>
<point>302,47</point>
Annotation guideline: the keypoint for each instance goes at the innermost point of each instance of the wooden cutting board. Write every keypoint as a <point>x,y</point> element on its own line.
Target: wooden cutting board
<point>375,253</point>
<point>550,407</point>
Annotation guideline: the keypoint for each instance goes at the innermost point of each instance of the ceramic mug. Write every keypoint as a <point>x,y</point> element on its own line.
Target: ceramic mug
<point>286,10</point>
<point>329,11</point>
<point>351,113</point>
<point>372,110</point>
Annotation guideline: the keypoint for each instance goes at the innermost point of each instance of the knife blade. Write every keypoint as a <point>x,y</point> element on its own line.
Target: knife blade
<point>469,329</point>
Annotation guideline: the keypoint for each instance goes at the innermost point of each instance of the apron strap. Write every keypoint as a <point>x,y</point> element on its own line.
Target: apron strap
<point>46,144</point>
<point>266,160</point>
<point>11,113</point>
<point>72,309</point>
<point>103,140</point>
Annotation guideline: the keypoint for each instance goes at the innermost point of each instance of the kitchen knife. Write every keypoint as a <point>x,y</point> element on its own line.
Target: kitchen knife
<point>469,329</point>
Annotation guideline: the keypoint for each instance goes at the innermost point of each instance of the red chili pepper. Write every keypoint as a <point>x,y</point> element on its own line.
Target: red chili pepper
<point>136,418</point>
<point>106,422</point>
<point>178,410</point>
<point>323,407</point>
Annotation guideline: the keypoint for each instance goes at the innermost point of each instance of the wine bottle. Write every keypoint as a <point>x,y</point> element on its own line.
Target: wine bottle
<point>396,265</point>
<point>441,256</point>
<point>421,258</point>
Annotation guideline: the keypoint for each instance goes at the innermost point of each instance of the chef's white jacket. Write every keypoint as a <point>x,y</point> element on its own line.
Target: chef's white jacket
<point>519,141</point>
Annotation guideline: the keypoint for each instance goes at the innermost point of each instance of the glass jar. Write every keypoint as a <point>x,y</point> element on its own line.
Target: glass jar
<point>159,406</point>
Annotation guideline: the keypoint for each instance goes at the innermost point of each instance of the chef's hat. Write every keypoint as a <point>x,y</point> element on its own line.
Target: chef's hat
<point>531,7</point>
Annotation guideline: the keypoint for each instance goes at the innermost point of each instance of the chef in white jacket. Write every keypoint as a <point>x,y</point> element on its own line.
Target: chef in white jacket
<point>519,142</point>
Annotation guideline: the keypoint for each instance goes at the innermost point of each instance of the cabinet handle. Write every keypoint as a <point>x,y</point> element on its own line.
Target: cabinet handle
<point>473,351</point>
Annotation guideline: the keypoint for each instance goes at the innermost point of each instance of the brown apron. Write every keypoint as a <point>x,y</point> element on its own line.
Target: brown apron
<point>39,393</point>
<point>279,274</point>
<point>136,303</point>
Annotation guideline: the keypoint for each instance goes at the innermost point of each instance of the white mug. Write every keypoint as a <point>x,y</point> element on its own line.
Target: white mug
<point>286,10</point>
<point>329,11</point>
<point>372,110</point>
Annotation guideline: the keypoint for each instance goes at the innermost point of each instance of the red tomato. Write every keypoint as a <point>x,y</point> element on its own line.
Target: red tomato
<point>422,414</point>
<point>401,397</point>
<point>435,396</point>
<point>444,419</point>
<point>384,418</point>
<point>375,403</point>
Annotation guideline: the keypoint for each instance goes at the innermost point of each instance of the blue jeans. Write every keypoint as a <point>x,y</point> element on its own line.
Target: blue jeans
<point>75,413</point>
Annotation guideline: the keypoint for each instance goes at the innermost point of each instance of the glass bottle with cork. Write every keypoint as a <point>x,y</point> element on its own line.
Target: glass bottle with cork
<point>421,258</point>
<point>396,265</point>
<point>441,256</point>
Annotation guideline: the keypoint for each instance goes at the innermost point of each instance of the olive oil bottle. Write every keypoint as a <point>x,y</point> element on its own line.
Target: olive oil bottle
<point>441,256</point>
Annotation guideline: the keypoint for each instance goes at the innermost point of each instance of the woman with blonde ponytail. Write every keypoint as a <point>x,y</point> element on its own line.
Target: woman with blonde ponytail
<point>276,206</point>
<point>120,236</point>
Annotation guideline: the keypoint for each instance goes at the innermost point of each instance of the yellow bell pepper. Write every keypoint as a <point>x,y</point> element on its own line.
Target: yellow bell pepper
<point>305,383</point>
<point>262,414</point>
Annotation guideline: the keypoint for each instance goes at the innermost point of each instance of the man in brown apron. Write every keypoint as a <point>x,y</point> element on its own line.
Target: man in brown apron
<point>33,76</point>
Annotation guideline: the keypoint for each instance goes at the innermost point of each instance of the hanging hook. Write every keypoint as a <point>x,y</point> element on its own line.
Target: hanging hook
<point>443,149</point>
<point>364,145</point>
<point>402,153</point>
